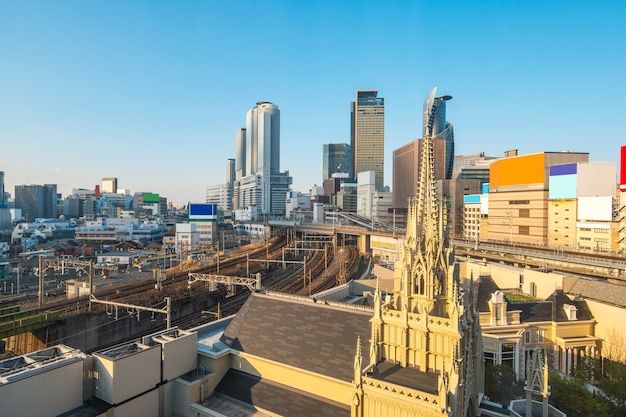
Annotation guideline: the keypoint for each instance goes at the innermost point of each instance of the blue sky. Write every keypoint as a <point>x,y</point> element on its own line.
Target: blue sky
<point>152,92</point>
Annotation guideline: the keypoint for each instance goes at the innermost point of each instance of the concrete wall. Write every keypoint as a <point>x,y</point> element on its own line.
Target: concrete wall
<point>315,384</point>
<point>146,405</point>
<point>610,328</point>
<point>45,394</point>
<point>509,277</point>
<point>118,380</point>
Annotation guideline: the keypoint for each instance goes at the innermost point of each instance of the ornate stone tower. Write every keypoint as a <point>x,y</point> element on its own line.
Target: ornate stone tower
<point>426,346</point>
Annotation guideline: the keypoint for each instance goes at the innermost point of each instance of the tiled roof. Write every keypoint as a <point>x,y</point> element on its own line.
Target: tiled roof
<point>311,336</point>
<point>277,398</point>
<point>551,309</point>
<point>533,311</point>
<point>406,376</point>
<point>486,287</point>
<point>600,290</point>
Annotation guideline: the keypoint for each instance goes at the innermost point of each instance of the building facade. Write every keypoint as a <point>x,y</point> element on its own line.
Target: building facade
<point>518,196</point>
<point>337,158</point>
<point>406,169</point>
<point>109,185</point>
<point>258,180</point>
<point>367,135</point>
<point>582,206</point>
<point>36,201</point>
<point>437,127</point>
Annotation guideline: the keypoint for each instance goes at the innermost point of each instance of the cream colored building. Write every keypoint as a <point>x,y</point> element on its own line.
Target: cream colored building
<point>518,196</point>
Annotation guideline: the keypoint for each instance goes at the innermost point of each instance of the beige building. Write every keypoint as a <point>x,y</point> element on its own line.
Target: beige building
<point>518,196</point>
<point>562,223</point>
<point>367,135</point>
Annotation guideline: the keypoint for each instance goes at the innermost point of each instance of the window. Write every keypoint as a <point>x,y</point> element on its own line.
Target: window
<point>540,335</point>
<point>508,354</point>
<point>523,230</point>
<point>527,337</point>
<point>490,357</point>
<point>525,213</point>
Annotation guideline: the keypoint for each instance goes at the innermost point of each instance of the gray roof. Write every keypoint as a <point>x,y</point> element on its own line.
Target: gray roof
<point>551,309</point>
<point>313,336</point>
<point>600,290</point>
<point>277,398</point>
<point>411,377</point>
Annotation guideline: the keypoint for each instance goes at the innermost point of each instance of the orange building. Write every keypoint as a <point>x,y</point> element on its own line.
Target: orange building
<point>518,196</point>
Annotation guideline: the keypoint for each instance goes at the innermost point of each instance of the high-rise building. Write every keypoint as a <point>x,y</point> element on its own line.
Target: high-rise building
<point>230,171</point>
<point>240,154</point>
<point>337,159</point>
<point>109,185</point>
<point>406,169</point>
<point>263,139</point>
<point>259,181</point>
<point>367,135</point>
<point>437,127</point>
<point>1,187</point>
<point>37,201</point>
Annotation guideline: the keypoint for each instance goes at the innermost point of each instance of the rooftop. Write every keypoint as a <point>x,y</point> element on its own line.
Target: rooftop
<point>300,332</point>
<point>24,366</point>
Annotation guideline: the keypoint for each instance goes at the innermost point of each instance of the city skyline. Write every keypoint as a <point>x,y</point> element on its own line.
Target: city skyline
<point>152,93</point>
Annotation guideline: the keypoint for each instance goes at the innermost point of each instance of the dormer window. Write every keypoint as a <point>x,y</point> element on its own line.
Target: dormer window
<point>570,311</point>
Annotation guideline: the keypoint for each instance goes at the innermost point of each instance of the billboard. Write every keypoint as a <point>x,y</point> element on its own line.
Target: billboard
<point>202,212</point>
<point>595,208</point>
<point>150,198</point>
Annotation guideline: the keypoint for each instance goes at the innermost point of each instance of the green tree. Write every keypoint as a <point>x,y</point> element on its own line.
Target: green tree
<point>501,384</point>
<point>575,400</point>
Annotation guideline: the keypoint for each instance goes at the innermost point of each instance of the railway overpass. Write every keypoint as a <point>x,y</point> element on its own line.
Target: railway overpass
<point>385,242</point>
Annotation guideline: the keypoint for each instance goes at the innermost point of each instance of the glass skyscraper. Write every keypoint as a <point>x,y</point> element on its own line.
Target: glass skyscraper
<point>367,135</point>
<point>437,127</point>
<point>337,158</point>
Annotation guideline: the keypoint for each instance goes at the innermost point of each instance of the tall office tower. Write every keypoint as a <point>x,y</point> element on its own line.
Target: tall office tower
<point>263,139</point>
<point>407,167</point>
<point>240,154</point>
<point>109,185</point>
<point>258,180</point>
<point>230,171</point>
<point>30,198</point>
<point>437,127</point>
<point>367,135</point>
<point>1,187</point>
<point>337,159</point>
<point>50,201</point>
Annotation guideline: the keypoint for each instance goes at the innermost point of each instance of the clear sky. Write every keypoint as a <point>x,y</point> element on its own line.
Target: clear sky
<point>152,92</point>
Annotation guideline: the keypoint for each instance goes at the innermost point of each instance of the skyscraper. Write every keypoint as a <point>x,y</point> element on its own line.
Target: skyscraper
<point>337,158</point>
<point>257,162</point>
<point>1,187</point>
<point>36,201</point>
<point>436,126</point>
<point>263,139</point>
<point>367,134</point>
<point>240,154</point>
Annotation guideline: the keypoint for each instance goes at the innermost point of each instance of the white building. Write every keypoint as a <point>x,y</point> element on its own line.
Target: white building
<point>220,194</point>
<point>366,186</point>
<point>257,162</point>
<point>382,201</point>
<point>296,202</point>
<point>186,236</point>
